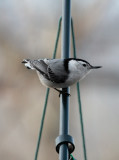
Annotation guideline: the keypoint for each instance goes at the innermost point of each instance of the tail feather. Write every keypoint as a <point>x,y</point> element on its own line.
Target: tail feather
<point>27,63</point>
<point>25,60</point>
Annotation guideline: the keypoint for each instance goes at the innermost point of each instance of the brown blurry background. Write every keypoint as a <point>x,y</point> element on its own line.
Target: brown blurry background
<point>28,30</point>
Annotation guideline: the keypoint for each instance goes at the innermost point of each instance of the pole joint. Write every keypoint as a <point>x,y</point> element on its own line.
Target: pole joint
<point>65,139</point>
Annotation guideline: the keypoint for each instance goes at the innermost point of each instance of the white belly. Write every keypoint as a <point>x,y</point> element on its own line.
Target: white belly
<point>50,84</point>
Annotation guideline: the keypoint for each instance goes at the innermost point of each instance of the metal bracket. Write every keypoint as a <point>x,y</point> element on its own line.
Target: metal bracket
<point>65,139</point>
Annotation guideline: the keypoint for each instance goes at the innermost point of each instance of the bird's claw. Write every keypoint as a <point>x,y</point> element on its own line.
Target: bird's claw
<point>65,93</point>
<point>62,92</point>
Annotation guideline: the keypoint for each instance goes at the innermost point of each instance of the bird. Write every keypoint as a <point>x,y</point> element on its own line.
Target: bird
<point>60,73</point>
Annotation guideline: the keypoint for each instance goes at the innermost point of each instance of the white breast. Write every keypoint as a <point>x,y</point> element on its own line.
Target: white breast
<point>75,72</point>
<point>50,84</point>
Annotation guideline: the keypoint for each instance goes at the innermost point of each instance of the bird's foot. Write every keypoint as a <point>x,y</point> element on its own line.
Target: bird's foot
<point>65,93</point>
<point>62,92</point>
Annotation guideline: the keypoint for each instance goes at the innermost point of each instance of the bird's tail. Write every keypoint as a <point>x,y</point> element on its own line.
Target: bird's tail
<point>28,64</point>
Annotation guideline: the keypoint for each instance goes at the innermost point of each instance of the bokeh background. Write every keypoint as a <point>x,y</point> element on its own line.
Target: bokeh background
<point>28,30</point>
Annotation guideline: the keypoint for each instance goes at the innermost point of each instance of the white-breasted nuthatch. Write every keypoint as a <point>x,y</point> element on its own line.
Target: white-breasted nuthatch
<point>59,73</point>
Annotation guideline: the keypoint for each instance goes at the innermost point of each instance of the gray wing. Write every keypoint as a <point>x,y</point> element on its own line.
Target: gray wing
<point>40,66</point>
<point>56,71</point>
<point>52,69</point>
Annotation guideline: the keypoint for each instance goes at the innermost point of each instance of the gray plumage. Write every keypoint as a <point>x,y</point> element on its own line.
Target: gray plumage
<point>59,73</point>
<point>52,69</point>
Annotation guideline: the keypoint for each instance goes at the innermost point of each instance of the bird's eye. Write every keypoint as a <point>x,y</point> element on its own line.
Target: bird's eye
<point>84,65</point>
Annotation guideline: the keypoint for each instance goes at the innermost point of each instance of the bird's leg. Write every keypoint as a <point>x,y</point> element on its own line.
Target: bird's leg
<point>62,92</point>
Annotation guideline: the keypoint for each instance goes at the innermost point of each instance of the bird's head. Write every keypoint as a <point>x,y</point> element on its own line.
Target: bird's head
<point>82,66</point>
<point>85,66</point>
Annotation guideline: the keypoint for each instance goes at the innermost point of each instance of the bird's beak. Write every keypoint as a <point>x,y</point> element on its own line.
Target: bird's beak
<point>96,67</point>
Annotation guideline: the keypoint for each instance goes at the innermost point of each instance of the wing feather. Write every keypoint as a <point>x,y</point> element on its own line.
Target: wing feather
<point>41,66</point>
<point>53,69</point>
<point>56,71</point>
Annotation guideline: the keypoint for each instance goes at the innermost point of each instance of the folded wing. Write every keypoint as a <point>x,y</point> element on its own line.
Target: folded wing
<point>53,69</point>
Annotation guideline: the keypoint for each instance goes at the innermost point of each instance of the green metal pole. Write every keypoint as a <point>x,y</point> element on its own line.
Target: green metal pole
<point>64,100</point>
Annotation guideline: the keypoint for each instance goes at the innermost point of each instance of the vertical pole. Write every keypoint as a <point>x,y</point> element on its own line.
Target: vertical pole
<point>64,100</point>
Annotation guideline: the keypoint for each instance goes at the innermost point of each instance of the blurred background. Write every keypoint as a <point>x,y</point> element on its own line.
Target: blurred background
<point>28,30</point>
